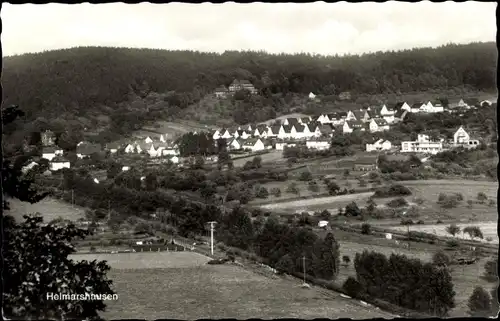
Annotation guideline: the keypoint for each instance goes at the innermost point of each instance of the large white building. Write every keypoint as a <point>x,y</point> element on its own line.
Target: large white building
<point>379,145</point>
<point>422,145</point>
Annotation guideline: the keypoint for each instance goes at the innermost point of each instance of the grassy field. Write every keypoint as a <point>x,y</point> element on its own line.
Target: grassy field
<point>49,208</point>
<point>273,156</point>
<point>195,291</point>
<point>465,277</point>
<point>293,115</point>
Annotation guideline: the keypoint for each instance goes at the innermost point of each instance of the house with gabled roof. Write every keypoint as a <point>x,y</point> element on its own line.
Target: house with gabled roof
<point>243,134</point>
<point>290,121</point>
<point>402,105</point>
<point>472,102</point>
<point>305,120</point>
<point>456,102</point>
<point>281,144</point>
<point>378,125</point>
<point>254,144</point>
<point>400,115</point>
<point>285,132</point>
<point>314,129</point>
<point>386,111</point>
<point>225,133</point>
<point>215,134</point>
<point>275,130</point>
<point>130,148</point>
<point>430,107</point>
<point>299,131</point>
<point>235,143</point>
<point>50,152</point>
<point>352,125</point>
<point>379,145</point>
<point>261,131</point>
<point>418,107</point>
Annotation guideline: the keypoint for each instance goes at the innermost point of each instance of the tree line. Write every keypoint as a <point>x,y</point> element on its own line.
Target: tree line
<point>128,84</point>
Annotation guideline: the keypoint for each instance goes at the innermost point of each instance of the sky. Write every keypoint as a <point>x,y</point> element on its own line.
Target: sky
<point>323,28</point>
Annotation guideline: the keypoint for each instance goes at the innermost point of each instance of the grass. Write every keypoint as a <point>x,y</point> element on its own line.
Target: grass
<point>271,157</point>
<point>49,208</point>
<point>195,291</point>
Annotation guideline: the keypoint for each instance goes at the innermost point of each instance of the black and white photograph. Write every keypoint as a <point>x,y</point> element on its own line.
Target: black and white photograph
<point>249,160</point>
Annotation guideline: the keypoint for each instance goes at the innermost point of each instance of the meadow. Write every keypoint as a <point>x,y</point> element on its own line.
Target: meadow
<point>49,208</point>
<point>158,286</point>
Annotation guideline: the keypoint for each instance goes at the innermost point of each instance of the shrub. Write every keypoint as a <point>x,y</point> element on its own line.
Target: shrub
<point>406,221</point>
<point>276,192</point>
<point>469,203</point>
<point>397,202</point>
<point>459,197</point>
<point>305,176</point>
<point>453,229</point>
<point>365,228</point>
<point>292,189</point>
<point>352,209</point>
<point>419,201</point>
<point>262,193</point>
<point>391,191</point>
<point>481,197</point>
<point>479,303</point>
<point>285,264</point>
<point>452,243</point>
<point>313,186</point>
<point>346,259</point>
<point>491,203</point>
<point>353,288</point>
<point>440,258</point>
<point>420,222</point>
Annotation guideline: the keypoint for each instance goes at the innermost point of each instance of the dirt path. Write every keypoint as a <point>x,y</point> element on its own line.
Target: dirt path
<point>318,201</point>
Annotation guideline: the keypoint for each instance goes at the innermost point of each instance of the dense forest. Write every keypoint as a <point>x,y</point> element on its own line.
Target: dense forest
<point>122,88</point>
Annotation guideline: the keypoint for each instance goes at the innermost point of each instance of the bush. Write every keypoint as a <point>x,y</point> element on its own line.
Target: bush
<point>313,186</point>
<point>420,222</point>
<point>481,197</point>
<point>479,303</point>
<point>292,189</point>
<point>397,202</point>
<point>262,193</point>
<point>452,243</point>
<point>366,228</point>
<point>406,221</point>
<point>440,258</point>
<point>353,288</point>
<point>305,176</point>
<point>346,259</point>
<point>276,192</point>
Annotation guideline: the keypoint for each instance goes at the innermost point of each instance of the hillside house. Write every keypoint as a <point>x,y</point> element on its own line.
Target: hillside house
<point>314,129</point>
<point>148,140</point>
<point>378,125</point>
<point>25,169</point>
<point>49,152</point>
<point>461,136</point>
<point>113,147</point>
<point>225,133</point>
<point>254,144</point>
<point>312,96</point>
<point>305,120</point>
<point>130,148</point>
<point>485,103</point>
<point>399,116</point>
<point>386,111</point>
<point>249,128</point>
<point>235,144</point>
<point>430,107</point>
<point>275,130</point>
<point>418,107</point>
<point>454,103</point>
<point>290,121</point>
<point>299,131</point>
<point>237,85</point>
<point>402,106</point>
<point>285,132</point>
<point>472,102</point>
<point>318,144</point>
<point>351,116</point>
<point>58,163</point>
<point>215,134</point>
<point>86,149</point>
<point>423,144</point>
<point>221,92</point>
<point>243,134</point>
<point>352,125</point>
<point>170,150</point>
<point>261,131</point>
<point>379,145</point>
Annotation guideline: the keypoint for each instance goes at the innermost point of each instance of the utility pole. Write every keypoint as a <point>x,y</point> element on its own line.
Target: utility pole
<point>304,266</point>
<point>212,224</point>
<point>72,199</point>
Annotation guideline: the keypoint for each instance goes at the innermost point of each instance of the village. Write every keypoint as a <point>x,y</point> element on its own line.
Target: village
<point>314,132</point>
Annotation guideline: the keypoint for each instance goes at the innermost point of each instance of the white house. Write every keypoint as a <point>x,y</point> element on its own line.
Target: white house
<point>59,163</point>
<point>125,168</point>
<point>163,138</point>
<point>422,145</point>
<point>216,134</point>
<point>254,144</point>
<point>174,159</point>
<point>487,102</point>
<point>50,152</point>
<point>315,130</point>
<point>437,107</point>
<point>225,134</point>
<point>242,134</point>
<point>274,131</point>
<point>378,125</point>
<point>300,131</point>
<point>385,111</point>
<point>148,140</point>
<point>311,95</point>
<point>379,145</point>
<point>455,103</point>
<point>418,107</point>
<point>461,136</point>
<point>402,105</point>
<point>351,125</point>
<point>351,116</point>
<point>130,148</point>
<point>319,144</point>
<point>290,121</point>
<point>285,132</point>
<point>235,144</point>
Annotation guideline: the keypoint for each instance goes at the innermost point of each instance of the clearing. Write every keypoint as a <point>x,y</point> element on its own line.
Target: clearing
<point>215,291</point>
<point>272,156</point>
<point>49,208</point>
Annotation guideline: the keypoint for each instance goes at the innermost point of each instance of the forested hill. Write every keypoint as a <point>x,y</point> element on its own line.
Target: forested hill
<point>97,80</point>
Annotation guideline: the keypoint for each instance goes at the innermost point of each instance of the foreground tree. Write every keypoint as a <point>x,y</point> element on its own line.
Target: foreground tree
<point>35,256</point>
<point>479,303</point>
<point>453,229</point>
